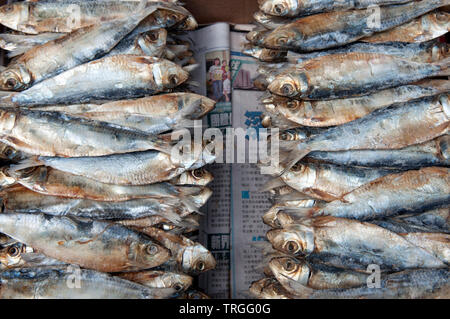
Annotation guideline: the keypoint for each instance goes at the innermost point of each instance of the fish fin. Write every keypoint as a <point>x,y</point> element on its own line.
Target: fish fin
<point>444,66</point>
<point>26,163</point>
<point>273,183</point>
<point>292,151</point>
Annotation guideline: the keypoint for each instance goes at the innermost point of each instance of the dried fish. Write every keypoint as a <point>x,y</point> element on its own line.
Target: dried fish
<point>98,245</point>
<point>128,76</point>
<point>427,27</point>
<point>332,29</point>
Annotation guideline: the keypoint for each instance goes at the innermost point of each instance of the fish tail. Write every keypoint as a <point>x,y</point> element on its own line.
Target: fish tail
<point>444,67</point>
<point>26,163</point>
<point>190,68</point>
<point>273,183</point>
<point>292,151</point>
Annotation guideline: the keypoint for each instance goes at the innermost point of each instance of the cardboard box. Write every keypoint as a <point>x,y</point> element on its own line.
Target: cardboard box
<point>231,11</point>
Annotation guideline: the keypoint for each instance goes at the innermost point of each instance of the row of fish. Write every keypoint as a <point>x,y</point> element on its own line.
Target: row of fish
<point>100,196</point>
<point>361,195</point>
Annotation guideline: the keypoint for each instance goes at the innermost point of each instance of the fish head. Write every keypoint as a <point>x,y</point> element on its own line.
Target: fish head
<point>289,107</point>
<point>153,42</point>
<point>5,179</point>
<point>13,15</point>
<point>178,281</point>
<point>202,197</point>
<point>441,18</point>
<point>11,255</point>
<point>270,55</point>
<point>206,106</point>
<point>294,240</point>
<point>301,176</point>
<point>197,259</point>
<point>280,38</point>
<point>266,120</point>
<point>201,177</point>
<point>9,153</point>
<point>148,253</point>
<point>270,218</point>
<point>289,267</point>
<point>251,50</point>
<point>169,75</point>
<point>289,84</point>
<point>168,17</point>
<point>15,78</point>
<point>256,37</point>
<point>188,24</point>
<point>277,7</point>
<point>261,17</point>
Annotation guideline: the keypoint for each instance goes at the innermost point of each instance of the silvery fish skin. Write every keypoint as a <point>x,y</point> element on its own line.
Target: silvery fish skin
<point>49,181</point>
<point>351,74</point>
<point>191,257</point>
<point>269,288</point>
<point>263,54</point>
<point>269,21</point>
<point>97,245</point>
<point>87,82</point>
<point>151,43</point>
<point>76,48</point>
<point>197,177</point>
<point>426,52</point>
<point>395,127</point>
<point>433,153</point>
<point>438,219</point>
<point>409,192</point>
<point>54,283</point>
<point>329,182</point>
<point>51,16</point>
<point>56,134</point>
<point>294,8</point>
<point>20,43</point>
<point>427,27</point>
<point>144,114</point>
<point>361,242</point>
<point>437,244</point>
<point>333,29</point>
<point>408,284</point>
<point>159,279</point>
<point>140,168</point>
<point>340,111</point>
<point>23,200</point>
<point>315,276</point>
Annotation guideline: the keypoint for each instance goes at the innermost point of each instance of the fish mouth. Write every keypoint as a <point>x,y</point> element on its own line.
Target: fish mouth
<point>207,106</point>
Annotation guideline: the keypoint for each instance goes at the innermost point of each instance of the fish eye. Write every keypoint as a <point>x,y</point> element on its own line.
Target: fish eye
<point>297,167</point>
<point>287,89</point>
<point>152,249</point>
<point>11,83</point>
<point>198,173</point>
<point>152,36</point>
<point>291,105</point>
<point>282,41</point>
<point>8,152</point>
<point>292,247</point>
<point>278,9</point>
<point>8,8</point>
<point>173,80</point>
<point>13,251</point>
<point>200,266</point>
<point>441,16</point>
<point>289,265</point>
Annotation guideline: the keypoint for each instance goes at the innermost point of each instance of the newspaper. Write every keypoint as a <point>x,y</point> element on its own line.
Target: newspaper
<point>211,46</point>
<point>232,223</point>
